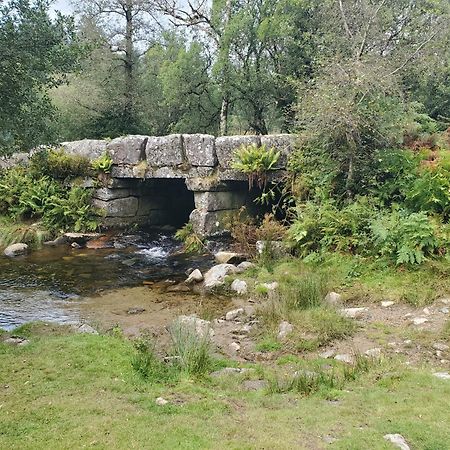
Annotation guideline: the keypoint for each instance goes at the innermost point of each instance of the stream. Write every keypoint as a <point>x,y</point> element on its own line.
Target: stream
<point>52,284</point>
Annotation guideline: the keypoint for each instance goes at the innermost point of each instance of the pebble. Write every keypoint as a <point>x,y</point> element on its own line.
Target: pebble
<point>333,298</point>
<point>161,401</point>
<point>373,352</point>
<point>348,359</point>
<point>194,277</point>
<point>440,346</point>
<point>327,355</point>
<point>442,375</point>
<point>426,311</point>
<point>419,320</point>
<point>239,286</point>
<point>235,346</point>
<point>444,310</point>
<point>387,304</point>
<point>354,313</point>
<point>233,315</point>
<point>284,329</point>
<point>397,440</point>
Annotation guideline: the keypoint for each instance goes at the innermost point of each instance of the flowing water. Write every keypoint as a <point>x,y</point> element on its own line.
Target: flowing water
<point>50,284</point>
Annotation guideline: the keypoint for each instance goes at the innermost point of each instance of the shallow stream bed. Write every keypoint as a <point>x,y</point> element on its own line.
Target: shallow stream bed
<point>65,285</point>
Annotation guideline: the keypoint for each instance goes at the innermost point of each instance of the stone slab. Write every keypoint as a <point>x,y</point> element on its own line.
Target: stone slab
<point>284,143</point>
<point>165,151</point>
<point>89,148</point>
<point>219,201</point>
<point>226,147</point>
<point>121,207</point>
<point>212,223</point>
<point>200,150</point>
<point>111,194</point>
<point>128,149</point>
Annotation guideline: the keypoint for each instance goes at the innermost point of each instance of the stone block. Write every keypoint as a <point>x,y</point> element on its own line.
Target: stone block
<point>226,147</point>
<point>232,175</point>
<point>111,194</point>
<point>165,151</point>
<point>219,201</point>
<point>89,148</point>
<point>122,172</point>
<point>148,204</point>
<point>207,184</point>
<point>200,150</point>
<point>121,207</point>
<point>212,223</point>
<point>284,143</point>
<point>127,149</point>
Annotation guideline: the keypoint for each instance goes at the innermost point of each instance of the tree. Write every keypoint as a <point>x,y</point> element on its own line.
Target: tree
<point>37,54</point>
<point>128,26</point>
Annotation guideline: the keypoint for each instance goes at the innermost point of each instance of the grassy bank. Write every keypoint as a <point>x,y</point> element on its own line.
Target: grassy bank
<point>74,391</point>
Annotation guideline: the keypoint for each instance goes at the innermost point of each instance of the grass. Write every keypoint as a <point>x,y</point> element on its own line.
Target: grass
<point>12,233</point>
<point>358,279</point>
<point>75,391</point>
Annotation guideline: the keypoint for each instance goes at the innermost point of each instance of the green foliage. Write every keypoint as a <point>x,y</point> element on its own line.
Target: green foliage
<point>147,364</point>
<point>192,242</point>
<point>103,164</point>
<point>11,233</point>
<point>59,207</point>
<point>56,163</point>
<point>406,238</point>
<point>192,351</point>
<point>255,162</point>
<point>27,73</point>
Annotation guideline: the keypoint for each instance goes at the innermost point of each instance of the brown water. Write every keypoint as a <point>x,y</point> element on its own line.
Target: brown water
<point>52,284</point>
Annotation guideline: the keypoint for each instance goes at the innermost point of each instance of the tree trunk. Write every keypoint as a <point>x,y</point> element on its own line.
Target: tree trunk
<point>129,63</point>
<point>225,50</point>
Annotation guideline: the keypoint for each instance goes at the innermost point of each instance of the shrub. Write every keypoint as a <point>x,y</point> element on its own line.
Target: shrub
<point>102,164</point>
<point>192,351</point>
<point>406,238</point>
<point>56,163</point>
<point>255,162</point>
<point>192,242</point>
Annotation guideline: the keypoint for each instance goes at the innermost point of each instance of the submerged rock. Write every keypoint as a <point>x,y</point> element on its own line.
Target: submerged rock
<point>16,250</point>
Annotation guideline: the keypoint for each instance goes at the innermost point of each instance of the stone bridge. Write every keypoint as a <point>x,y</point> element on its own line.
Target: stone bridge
<point>174,179</point>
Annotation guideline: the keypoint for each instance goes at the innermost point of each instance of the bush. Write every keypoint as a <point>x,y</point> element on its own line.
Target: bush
<point>56,163</point>
<point>102,164</point>
<point>192,351</point>
<point>255,162</point>
<point>192,242</point>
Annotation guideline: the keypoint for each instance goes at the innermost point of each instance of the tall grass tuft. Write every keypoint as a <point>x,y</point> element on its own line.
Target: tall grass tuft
<point>147,364</point>
<point>192,351</point>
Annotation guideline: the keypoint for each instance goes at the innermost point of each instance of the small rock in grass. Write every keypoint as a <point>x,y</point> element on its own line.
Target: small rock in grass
<point>445,300</point>
<point>354,313</point>
<point>229,258</point>
<point>397,440</point>
<point>387,304</point>
<point>271,286</point>
<point>201,327</point>
<point>233,315</point>
<point>348,359</point>
<point>229,371</point>
<point>85,329</point>
<point>426,311</point>
<point>235,347</point>
<point>254,385</point>
<point>284,329</point>
<point>244,266</point>
<point>161,401</point>
<point>440,346</point>
<point>194,277</point>
<point>419,320</point>
<point>239,286</point>
<point>442,375</point>
<point>373,353</point>
<point>327,355</point>
<point>16,340</point>
<point>333,299</point>
<point>444,310</point>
